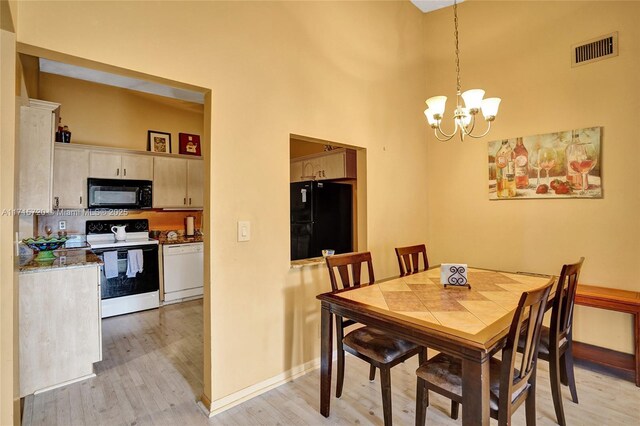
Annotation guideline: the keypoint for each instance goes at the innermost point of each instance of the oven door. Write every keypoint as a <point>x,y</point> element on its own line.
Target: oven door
<point>116,194</point>
<point>143,282</point>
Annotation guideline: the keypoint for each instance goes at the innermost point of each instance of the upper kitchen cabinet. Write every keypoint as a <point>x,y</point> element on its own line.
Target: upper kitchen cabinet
<point>120,166</point>
<point>70,172</point>
<point>38,123</point>
<point>330,165</point>
<point>177,183</point>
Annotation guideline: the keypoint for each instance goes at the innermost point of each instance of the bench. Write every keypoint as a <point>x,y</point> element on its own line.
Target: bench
<point>614,300</point>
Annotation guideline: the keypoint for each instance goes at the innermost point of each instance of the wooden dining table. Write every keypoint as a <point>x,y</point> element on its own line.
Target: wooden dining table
<point>469,323</point>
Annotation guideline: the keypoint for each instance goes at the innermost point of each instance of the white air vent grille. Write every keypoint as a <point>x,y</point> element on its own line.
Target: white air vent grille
<point>596,49</point>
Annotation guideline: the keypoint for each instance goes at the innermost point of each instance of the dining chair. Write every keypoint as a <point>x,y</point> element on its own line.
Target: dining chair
<point>409,259</point>
<point>556,341</point>
<point>376,347</point>
<point>509,386</point>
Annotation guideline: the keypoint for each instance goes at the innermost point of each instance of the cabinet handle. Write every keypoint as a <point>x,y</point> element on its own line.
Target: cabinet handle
<point>57,201</point>
<point>81,200</point>
<point>117,172</point>
<point>189,200</point>
<point>185,201</point>
<point>125,172</point>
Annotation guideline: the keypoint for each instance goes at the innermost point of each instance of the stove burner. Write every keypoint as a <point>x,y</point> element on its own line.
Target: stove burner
<point>104,226</point>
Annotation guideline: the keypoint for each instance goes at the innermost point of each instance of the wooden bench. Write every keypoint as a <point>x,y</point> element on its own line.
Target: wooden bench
<point>614,300</point>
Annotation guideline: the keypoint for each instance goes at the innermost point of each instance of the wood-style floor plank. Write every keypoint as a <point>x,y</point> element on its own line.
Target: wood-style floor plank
<point>152,375</point>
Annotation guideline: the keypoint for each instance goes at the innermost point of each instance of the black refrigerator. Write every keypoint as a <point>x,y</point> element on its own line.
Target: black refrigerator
<point>321,218</point>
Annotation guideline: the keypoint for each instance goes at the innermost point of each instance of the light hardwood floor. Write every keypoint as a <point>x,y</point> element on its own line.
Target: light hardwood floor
<point>152,374</point>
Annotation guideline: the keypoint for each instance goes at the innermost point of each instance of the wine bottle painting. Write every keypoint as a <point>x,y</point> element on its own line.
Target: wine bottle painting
<point>553,165</point>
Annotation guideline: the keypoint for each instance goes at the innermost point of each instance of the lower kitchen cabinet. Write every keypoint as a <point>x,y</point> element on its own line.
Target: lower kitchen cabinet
<point>60,328</point>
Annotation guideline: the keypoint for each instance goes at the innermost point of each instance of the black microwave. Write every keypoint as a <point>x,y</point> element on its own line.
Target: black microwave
<point>119,194</point>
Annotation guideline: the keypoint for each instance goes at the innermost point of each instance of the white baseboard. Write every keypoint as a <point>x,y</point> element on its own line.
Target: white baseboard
<point>230,401</point>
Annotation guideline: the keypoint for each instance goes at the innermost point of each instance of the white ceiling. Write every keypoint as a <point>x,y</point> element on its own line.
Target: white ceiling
<point>116,80</point>
<point>431,5</point>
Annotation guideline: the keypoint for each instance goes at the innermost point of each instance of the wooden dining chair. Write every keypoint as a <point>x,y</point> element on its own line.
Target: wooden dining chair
<point>376,347</point>
<point>556,341</point>
<point>409,259</point>
<point>509,387</point>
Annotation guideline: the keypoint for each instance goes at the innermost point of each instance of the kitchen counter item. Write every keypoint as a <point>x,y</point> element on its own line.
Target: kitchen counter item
<point>183,271</point>
<point>45,246</point>
<point>76,258</point>
<point>180,240</point>
<point>189,226</point>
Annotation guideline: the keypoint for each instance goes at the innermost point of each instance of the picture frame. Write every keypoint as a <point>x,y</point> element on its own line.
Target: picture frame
<point>189,144</point>
<point>159,141</point>
<point>558,165</point>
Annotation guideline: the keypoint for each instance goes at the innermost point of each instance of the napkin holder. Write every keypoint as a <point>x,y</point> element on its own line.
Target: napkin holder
<point>454,275</point>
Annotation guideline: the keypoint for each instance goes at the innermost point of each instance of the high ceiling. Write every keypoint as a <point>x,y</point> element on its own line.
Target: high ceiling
<point>430,5</point>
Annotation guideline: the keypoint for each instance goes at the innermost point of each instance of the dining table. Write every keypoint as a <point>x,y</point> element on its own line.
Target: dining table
<point>470,322</point>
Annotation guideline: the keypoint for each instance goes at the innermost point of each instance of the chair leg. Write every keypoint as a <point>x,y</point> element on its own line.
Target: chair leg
<point>423,355</point>
<point>372,373</point>
<point>455,409</point>
<point>530,403</point>
<point>556,392</point>
<point>340,351</point>
<point>422,402</point>
<point>568,366</point>
<point>385,384</point>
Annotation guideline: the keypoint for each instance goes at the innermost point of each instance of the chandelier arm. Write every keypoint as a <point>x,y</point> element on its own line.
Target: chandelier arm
<point>443,133</point>
<point>482,135</point>
<point>465,129</point>
<point>435,132</point>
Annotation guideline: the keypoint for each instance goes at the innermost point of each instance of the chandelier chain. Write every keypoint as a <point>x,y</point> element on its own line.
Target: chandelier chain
<point>455,20</point>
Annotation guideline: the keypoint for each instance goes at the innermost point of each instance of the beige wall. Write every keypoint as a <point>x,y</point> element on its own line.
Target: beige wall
<point>342,71</point>
<point>520,51</point>
<point>9,401</point>
<point>110,116</point>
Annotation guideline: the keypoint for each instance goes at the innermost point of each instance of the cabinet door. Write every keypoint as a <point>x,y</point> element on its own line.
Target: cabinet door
<point>195,183</point>
<point>70,172</point>
<point>105,165</point>
<point>137,167</point>
<point>59,326</point>
<point>169,182</point>
<point>333,166</point>
<point>35,158</point>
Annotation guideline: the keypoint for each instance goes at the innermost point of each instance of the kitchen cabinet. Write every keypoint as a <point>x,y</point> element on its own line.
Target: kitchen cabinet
<point>70,172</point>
<point>178,183</point>
<point>330,165</point>
<point>60,329</point>
<point>120,166</point>
<point>38,122</point>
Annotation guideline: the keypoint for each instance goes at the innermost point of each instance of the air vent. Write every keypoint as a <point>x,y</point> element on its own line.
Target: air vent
<point>596,49</point>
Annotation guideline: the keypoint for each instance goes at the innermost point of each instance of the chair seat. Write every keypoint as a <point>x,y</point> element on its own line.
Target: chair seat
<point>377,345</point>
<point>545,342</point>
<point>445,372</point>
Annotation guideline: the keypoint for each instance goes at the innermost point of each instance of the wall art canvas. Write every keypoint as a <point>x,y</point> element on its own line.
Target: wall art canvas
<point>553,165</point>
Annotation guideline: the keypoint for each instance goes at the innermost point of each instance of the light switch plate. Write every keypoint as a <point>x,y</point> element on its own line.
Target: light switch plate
<point>244,230</point>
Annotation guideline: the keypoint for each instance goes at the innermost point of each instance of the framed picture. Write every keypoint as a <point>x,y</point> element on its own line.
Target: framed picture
<point>553,165</point>
<point>189,144</point>
<point>158,141</point>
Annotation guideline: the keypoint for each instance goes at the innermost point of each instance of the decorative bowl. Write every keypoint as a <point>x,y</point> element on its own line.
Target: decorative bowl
<point>45,246</point>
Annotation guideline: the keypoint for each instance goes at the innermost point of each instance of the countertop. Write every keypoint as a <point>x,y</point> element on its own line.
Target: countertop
<point>65,258</point>
<point>180,240</point>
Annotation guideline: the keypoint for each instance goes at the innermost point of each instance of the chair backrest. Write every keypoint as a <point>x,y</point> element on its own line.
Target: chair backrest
<point>341,262</point>
<point>564,300</point>
<point>527,321</point>
<point>409,260</point>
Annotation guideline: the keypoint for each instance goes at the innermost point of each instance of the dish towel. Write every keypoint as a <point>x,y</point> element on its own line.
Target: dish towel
<point>134,262</point>
<point>110,259</point>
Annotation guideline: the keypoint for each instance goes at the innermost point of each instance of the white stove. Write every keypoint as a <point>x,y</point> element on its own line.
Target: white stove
<point>98,241</point>
<point>121,292</point>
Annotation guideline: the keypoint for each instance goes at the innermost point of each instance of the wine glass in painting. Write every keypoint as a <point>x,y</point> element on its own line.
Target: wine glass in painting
<point>534,164</point>
<point>546,160</point>
<point>582,158</point>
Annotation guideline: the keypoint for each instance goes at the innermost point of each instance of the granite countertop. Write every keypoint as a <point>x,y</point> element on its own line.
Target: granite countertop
<point>65,258</point>
<point>181,239</point>
<point>295,264</point>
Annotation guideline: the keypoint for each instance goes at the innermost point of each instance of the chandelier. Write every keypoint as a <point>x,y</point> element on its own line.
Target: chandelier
<point>464,116</point>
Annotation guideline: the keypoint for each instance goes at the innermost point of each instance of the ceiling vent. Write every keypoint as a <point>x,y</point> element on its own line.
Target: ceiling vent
<point>596,49</point>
